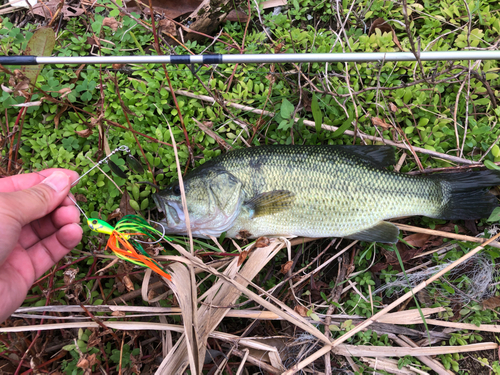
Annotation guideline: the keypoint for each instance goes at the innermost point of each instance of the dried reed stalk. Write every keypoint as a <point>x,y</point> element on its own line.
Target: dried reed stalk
<point>221,293</point>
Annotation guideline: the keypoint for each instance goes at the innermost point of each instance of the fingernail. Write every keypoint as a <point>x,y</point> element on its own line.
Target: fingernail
<point>57,181</point>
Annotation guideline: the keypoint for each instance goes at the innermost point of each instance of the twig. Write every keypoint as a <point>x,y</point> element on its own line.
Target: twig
<point>244,359</point>
<point>440,233</point>
<point>489,148</point>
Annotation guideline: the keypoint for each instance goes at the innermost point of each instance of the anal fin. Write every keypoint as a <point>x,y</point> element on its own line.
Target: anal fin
<point>381,232</point>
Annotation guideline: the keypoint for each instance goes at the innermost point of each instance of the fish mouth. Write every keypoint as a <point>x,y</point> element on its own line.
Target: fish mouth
<point>158,201</point>
<point>174,213</point>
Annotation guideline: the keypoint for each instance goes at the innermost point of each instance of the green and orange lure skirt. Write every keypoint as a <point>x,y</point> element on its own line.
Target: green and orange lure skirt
<point>127,248</point>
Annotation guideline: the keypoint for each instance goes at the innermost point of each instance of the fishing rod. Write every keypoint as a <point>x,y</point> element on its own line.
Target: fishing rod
<point>255,58</point>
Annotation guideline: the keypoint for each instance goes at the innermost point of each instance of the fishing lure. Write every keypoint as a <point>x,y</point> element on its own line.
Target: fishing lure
<point>120,240</point>
<point>127,248</point>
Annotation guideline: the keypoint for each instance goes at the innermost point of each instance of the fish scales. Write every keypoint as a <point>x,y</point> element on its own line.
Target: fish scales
<point>315,191</point>
<point>336,194</point>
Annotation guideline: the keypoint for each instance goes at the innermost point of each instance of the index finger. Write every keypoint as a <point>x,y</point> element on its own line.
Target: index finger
<point>25,181</point>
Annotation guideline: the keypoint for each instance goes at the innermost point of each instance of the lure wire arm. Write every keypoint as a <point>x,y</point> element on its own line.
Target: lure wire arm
<point>121,148</point>
<point>77,206</point>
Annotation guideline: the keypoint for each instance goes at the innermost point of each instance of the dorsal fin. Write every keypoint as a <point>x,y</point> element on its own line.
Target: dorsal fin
<point>379,156</point>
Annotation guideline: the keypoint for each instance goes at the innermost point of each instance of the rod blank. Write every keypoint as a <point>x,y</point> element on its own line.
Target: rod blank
<point>255,58</point>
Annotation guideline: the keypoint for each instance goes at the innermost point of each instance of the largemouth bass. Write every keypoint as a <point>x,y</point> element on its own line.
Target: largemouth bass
<point>317,191</point>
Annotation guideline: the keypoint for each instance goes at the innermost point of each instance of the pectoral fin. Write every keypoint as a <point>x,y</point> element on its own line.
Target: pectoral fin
<point>382,232</point>
<point>270,202</point>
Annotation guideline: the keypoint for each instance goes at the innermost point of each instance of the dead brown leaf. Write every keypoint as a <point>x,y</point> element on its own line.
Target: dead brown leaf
<point>450,227</point>
<point>278,47</point>
<point>306,102</point>
<point>381,24</point>
<point>83,363</point>
<point>84,133</point>
<point>168,27</point>
<point>384,27</point>
<point>301,310</point>
<point>173,8</point>
<point>49,8</point>
<point>125,207</point>
<point>241,258</point>
<point>423,297</point>
<point>262,242</point>
<point>93,41</point>
<point>115,214</point>
<point>6,89</point>
<point>81,198</point>
<point>286,267</point>
<point>20,88</point>
<point>377,267</point>
<point>377,121</point>
<point>128,283</point>
<point>59,114</point>
<point>316,287</point>
<point>170,8</point>
<point>151,295</point>
<point>28,104</point>
<point>243,234</point>
<point>393,107</point>
<point>93,359</point>
<point>118,313</point>
<point>110,22</point>
<point>120,286</point>
<point>471,226</point>
<point>491,303</point>
<point>392,259</point>
<point>417,239</point>
<point>69,275</point>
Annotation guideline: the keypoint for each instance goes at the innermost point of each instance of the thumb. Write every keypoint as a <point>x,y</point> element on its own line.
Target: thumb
<point>39,200</point>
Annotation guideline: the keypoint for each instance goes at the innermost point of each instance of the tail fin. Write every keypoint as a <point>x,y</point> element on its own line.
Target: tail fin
<point>467,197</point>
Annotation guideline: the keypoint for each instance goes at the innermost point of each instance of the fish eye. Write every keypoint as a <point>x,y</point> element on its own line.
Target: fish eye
<point>176,190</point>
<point>94,222</point>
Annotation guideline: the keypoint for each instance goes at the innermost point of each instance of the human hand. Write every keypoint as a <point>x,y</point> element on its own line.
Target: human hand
<point>38,226</point>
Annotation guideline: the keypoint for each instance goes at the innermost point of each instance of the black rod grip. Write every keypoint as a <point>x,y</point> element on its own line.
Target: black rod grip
<point>18,60</point>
